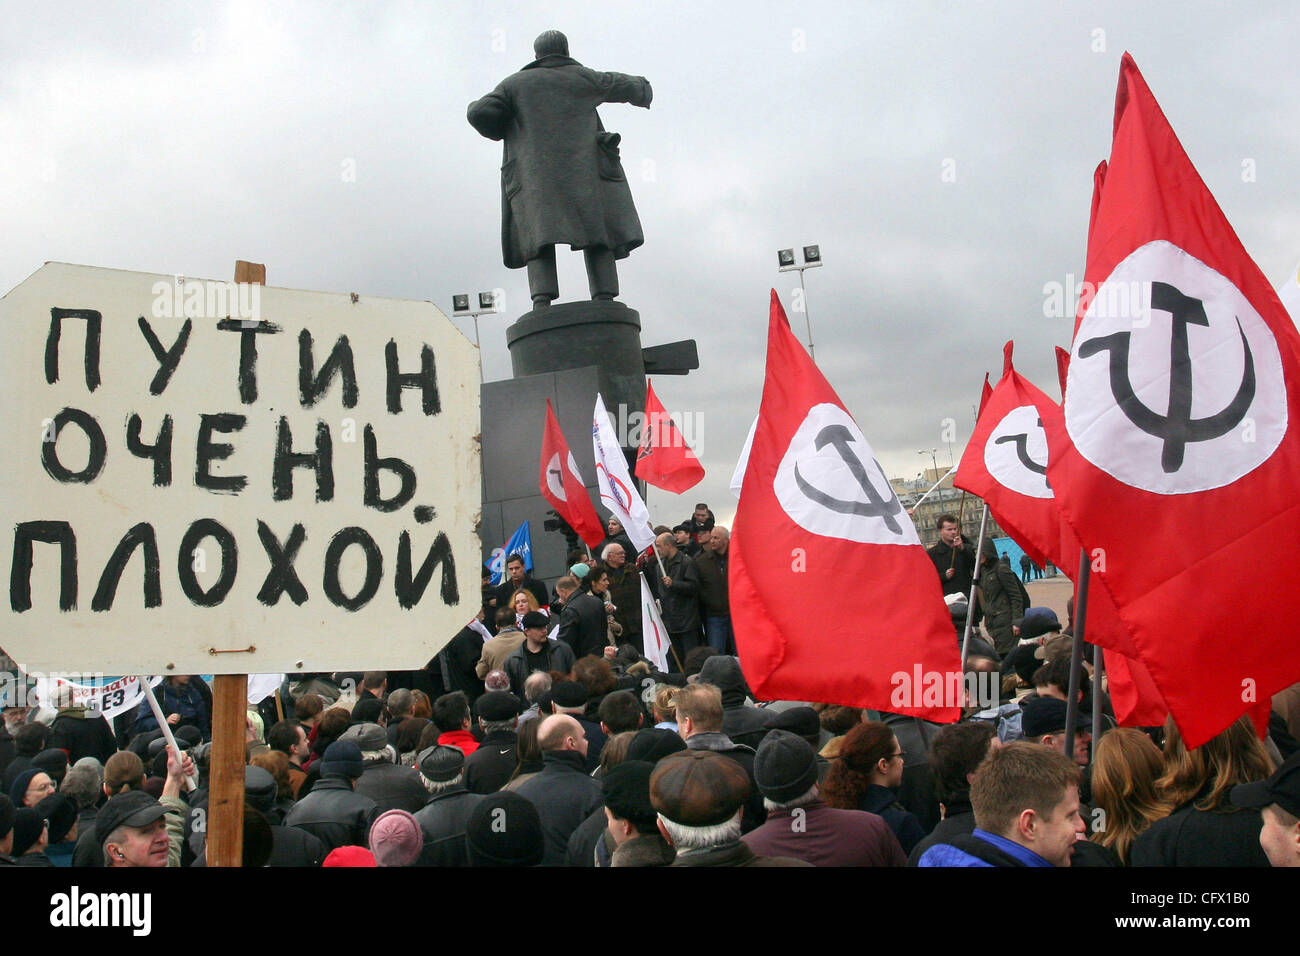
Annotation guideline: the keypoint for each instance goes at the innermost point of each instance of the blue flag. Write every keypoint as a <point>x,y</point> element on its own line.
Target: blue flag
<point>520,543</point>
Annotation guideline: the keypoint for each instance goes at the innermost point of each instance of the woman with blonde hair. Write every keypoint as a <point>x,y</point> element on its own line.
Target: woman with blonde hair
<point>1125,767</point>
<point>1202,827</point>
<point>524,601</point>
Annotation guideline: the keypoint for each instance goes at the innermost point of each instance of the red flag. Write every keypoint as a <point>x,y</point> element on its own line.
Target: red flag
<point>1176,468</point>
<point>815,512</point>
<point>664,459</point>
<point>563,487</point>
<point>985,393</point>
<point>1062,368</point>
<point>1005,463</point>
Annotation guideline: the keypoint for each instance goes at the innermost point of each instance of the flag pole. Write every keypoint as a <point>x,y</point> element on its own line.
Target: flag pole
<point>1076,654</point>
<point>932,488</point>
<point>1097,666</point>
<point>974,583</point>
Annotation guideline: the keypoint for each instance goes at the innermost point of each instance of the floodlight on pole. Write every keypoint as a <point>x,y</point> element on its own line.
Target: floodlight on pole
<point>489,303</point>
<point>812,259</point>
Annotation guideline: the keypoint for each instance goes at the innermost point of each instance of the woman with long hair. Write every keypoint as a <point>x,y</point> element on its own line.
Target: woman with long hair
<point>597,584</point>
<point>530,754</point>
<point>1125,767</point>
<point>1202,827</point>
<point>524,601</point>
<point>866,777</point>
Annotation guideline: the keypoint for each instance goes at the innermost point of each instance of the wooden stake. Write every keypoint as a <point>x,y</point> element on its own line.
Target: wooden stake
<point>225,844</point>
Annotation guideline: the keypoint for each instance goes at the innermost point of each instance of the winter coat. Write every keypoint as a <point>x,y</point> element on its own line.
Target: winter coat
<point>564,796</point>
<point>391,787</point>
<point>334,813</point>
<point>884,801</point>
<point>648,849</point>
<point>825,836</point>
<point>680,600</point>
<point>743,724</point>
<point>755,812</point>
<point>625,594</point>
<point>489,767</point>
<point>732,854</point>
<point>712,569</point>
<point>1192,837</point>
<point>82,733</point>
<point>1004,605</point>
<point>582,624</point>
<point>560,659</point>
<point>444,820</point>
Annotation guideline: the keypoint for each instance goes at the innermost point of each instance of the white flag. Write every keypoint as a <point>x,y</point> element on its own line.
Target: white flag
<point>617,491</point>
<point>108,698</point>
<point>738,476</point>
<point>653,633</point>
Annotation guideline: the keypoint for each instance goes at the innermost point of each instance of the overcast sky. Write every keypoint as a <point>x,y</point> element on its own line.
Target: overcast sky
<point>940,153</point>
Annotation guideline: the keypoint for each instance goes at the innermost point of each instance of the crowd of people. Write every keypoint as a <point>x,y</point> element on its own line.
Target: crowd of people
<point>542,735</point>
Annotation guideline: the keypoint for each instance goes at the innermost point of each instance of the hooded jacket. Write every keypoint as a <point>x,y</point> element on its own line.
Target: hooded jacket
<point>743,724</point>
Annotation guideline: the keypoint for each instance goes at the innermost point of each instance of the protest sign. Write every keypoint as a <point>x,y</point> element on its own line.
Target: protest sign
<point>210,477</point>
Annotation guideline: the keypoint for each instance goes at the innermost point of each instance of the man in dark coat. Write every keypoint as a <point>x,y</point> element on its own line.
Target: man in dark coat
<point>583,625</point>
<point>390,785</point>
<point>80,732</point>
<point>561,179</point>
<point>698,796</point>
<point>333,812</point>
<point>624,592</point>
<point>714,602</point>
<point>445,817</point>
<point>536,653</point>
<point>953,558</point>
<point>489,767</point>
<point>955,755</point>
<point>678,587</point>
<point>519,580</point>
<point>563,793</point>
<point>699,722</point>
<point>1004,602</point>
<point>743,724</point>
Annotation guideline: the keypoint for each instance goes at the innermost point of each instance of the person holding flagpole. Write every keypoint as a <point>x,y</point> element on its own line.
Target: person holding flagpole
<point>678,588</point>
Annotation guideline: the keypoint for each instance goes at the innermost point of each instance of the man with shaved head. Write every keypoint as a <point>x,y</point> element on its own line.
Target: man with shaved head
<point>678,587</point>
<point>562,792</point>
<point>712,567</point>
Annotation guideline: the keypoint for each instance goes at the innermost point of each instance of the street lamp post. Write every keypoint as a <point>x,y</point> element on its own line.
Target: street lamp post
<point>488,304</point>
<point>812,259</point>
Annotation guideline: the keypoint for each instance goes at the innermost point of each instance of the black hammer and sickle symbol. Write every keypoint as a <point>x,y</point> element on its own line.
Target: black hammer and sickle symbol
<point>1022,452</point>
<point>1176,427</point>
<point>876,506</point>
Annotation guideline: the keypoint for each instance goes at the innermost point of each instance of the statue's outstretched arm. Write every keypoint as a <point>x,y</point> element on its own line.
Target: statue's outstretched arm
<point>491,114</point>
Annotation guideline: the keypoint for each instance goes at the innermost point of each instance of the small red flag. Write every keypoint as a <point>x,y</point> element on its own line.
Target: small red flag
<point>1177,464</point>
<point>664,459</point>
<point>815,511</point>
<point>561,485</point>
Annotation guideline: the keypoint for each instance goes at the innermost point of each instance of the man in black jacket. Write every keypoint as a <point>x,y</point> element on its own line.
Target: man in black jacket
<point>536,653</point>
<point>679,591</point>
<point>490,767</point>
<point>518,580</point>
<point>582,621</point>
<point>333,812</point>
<point>445,817</point>
<point>563,793</point>
<point>955,755</point>
<point>714,602</point>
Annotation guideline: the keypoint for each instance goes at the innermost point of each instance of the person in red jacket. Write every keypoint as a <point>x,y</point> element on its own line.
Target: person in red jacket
<point>452,716</point>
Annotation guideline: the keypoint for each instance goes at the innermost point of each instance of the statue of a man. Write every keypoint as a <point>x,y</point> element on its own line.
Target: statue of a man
<point>561,178</point>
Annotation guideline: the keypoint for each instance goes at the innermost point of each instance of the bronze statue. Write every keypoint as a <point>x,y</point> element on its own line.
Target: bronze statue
<point>561,177</point>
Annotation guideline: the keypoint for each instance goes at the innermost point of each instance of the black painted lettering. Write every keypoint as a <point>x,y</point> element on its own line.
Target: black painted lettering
<point>160,451</point>
<point>208,451</point>
<point>374,465</point>
<point>20,574</point>
<point>141,536</point>
<point>320,461</point>
<point>168,359</point>
<point>281,577</point>
<point>374,568</point>
<point>426,380</point>
<point>207,528</point>
<point>409,591</point>
<point>248,333</point>
<point>94,323</point>
<point>311,388</point>
<point>94,460</point>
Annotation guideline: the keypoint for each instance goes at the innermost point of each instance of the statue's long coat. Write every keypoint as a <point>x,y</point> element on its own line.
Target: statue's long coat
<point>561,179</point>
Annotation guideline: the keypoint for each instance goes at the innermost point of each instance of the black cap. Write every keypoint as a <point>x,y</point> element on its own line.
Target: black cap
<point>1283,788</point>
<point>61,810</point>
<point>497,705</point>
<point>652,744</point>
<point>135,808</point>
<point>569,693</point>
<point>441,763</point>
<point>504,829</point>
<point>536,619</point>
<point>785,766</point>
<point>626,787</point>
<point>1046,715</point>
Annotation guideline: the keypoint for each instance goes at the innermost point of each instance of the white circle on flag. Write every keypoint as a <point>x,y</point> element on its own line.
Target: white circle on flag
<point>554,480</point>
<point>1228,411</point>
<point>1016,453</point>
<point>829,483</point>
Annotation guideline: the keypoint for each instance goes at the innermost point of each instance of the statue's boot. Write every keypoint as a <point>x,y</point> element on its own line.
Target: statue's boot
<point>602,274</point>
<point>543,281</point>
